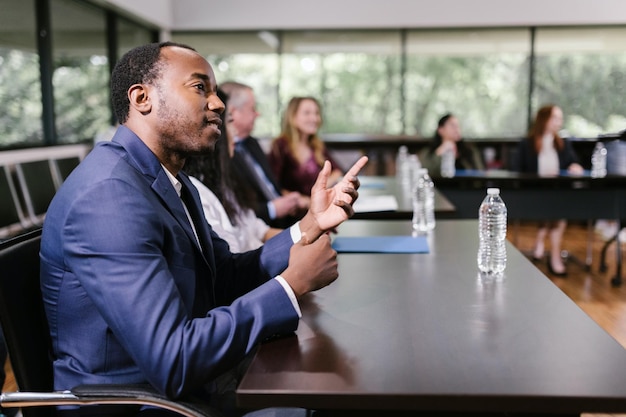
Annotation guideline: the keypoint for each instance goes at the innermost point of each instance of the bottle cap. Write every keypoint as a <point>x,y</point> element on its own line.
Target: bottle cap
<point>493,191</point>
<point>422,171</point>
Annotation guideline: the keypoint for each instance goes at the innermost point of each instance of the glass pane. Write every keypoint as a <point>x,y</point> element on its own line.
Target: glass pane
<point>355,75</point>
<point>131,34</point>
<point>583,71</point>
<point>81,71</point>
<point>20,88</point>
<point>479,75</point>
<point>250,58</point>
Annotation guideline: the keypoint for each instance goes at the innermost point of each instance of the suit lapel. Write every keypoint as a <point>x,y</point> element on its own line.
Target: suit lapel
<point>202,226</point>
<point>147,163</point>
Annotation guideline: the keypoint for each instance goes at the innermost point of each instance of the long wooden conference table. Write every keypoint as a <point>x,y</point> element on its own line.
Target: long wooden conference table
<point>425,334</point>
<point>530,196</point>
<point>527,196</point>
<point>373,187</point>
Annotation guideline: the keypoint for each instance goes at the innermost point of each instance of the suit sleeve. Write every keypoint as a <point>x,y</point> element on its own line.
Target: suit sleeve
<point>136,267</point>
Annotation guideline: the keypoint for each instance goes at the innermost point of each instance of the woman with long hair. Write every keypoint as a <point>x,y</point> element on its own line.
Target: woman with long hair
<point>298,154</point>
<point>546,153</point>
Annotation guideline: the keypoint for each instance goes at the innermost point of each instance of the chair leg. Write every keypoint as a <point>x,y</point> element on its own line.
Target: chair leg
<point>590,237</point>
<point>603,266</point>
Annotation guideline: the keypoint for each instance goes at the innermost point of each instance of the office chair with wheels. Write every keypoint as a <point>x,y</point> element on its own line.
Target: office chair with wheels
<point>28,341</point>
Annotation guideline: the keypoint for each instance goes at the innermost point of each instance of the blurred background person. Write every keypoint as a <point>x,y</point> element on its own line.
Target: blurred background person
<point>448,138</point>
<point>226,201</point>
<point>272,203</point>
<point>298,154</point>
<point>546,153</point>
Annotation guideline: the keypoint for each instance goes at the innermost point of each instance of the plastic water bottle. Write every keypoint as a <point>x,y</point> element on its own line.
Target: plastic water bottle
<point>403,169</point>
<point>414,164</point>
<point>598,161</point>
<point>423,202</point>
<point>448,161</point>
<point>492,224</point>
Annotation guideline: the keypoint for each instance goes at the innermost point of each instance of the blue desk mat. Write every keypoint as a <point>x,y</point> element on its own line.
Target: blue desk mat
<point>381,244</point>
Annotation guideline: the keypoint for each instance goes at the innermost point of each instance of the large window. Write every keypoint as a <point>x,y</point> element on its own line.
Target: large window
<point>396,81</point>
<point>250,58</point>
<point>479,75</point>
<point>130,34</point>
<point>77,107</point>
<point>20,88</point>
<point>583,71</point>
<point>356,76</point>
<point>81,70</point>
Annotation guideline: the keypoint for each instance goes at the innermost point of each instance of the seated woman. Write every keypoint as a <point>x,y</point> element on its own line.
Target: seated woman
<point>228,205</point>
<point>298,154</point>
<point>448,138</point>
<point>546,153</point>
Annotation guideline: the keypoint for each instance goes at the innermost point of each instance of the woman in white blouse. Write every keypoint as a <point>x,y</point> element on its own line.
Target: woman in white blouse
<point>228,205</point>
<point>546,153</point>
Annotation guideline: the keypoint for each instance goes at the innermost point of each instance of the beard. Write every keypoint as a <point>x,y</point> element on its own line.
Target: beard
<point>182,136</point>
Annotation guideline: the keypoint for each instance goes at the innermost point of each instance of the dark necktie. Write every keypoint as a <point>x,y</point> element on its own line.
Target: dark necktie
<point>261,179</point>
<point>202,298</point>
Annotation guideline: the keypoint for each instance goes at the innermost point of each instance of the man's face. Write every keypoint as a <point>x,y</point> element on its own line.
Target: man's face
<point>244,116</point>
<point>188,108</point>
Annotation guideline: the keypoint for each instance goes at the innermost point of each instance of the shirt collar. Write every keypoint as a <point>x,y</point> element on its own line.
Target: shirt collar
<point>177,184</point>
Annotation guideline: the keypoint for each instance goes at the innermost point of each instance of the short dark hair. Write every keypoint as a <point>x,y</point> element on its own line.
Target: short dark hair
<point>140,65</point>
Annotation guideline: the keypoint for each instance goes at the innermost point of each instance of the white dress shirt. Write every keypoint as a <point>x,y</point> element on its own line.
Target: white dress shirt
<point>249,232</point>
<point>548,158</point>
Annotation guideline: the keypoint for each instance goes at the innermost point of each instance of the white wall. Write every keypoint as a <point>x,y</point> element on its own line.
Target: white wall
<point>155,12</point>
<point>353,14</point>
<point>303,14</point>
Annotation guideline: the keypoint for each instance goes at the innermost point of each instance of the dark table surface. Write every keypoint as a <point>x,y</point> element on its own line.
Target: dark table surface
<point>425,332</point>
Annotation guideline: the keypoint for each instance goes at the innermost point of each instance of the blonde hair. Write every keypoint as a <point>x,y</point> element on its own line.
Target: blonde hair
<point>292,134</point>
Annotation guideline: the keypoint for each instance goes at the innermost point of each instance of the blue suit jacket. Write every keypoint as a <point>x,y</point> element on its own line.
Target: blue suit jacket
<point>131,297</point>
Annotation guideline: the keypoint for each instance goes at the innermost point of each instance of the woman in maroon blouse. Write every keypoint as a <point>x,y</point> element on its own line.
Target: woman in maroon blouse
<point>298,154</point>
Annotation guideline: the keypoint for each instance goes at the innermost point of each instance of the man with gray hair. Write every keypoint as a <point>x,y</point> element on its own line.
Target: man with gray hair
<point>273,205</point>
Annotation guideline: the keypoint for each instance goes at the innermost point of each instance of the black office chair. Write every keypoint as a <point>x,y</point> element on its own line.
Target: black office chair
<point>28,341</point>
<point>38,187</point>
<point>63,168</point>
<point>12,218</point>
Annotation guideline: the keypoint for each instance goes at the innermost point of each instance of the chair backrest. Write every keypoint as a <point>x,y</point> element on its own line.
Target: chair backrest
<point>10,210</point>
<point>64,168</point>
<point>37,185</point>
<point>23,317</point>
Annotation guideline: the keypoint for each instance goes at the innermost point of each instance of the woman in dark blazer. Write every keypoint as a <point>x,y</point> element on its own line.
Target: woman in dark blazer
<point>546,153</point>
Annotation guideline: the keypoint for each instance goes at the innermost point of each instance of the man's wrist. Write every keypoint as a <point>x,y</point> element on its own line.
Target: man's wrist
<point>309,228</point>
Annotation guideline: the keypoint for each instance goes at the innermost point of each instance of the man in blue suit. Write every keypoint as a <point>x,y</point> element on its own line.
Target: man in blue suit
<point>136,285</point>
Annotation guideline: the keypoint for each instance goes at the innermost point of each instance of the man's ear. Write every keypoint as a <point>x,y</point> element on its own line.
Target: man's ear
<point>139,98</point>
